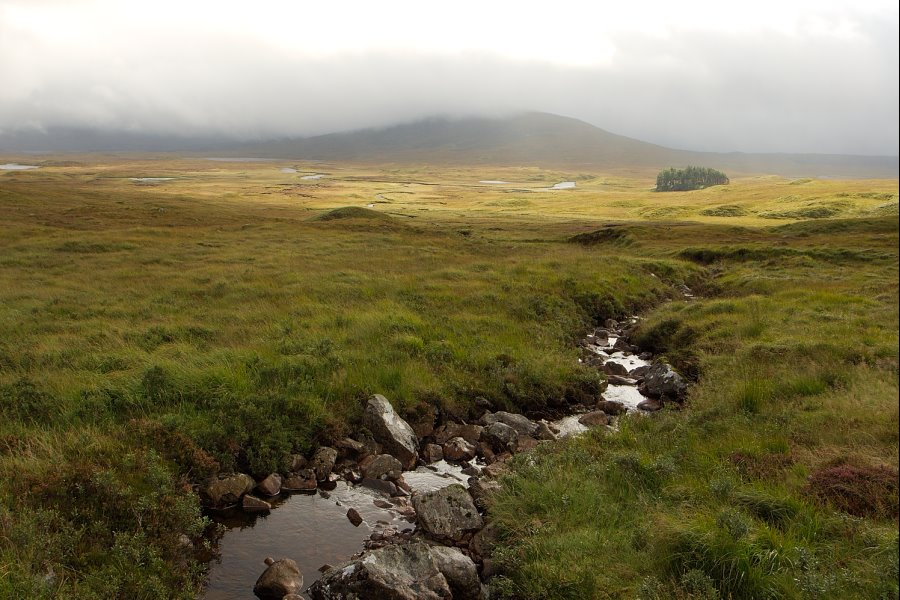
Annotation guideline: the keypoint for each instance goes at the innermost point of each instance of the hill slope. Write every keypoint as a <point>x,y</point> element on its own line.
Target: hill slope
<point>548,140</point>
<point>536,139</point>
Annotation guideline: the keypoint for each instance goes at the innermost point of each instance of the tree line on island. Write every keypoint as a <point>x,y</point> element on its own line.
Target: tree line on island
<point>689,178</point>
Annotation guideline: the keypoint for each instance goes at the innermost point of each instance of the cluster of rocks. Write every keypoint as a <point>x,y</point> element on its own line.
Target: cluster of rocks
<point>658,381</point>
<point>447,554</point>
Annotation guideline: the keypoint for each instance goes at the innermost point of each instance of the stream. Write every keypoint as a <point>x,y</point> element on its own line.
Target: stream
<point>313,528</point>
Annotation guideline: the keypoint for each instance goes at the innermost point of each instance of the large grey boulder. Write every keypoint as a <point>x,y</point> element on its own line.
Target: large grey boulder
<point>281,577</point>
<point>522,424</point>
<point>459,571</point>
<point>394,572</point>
<point>661,381</point>
<point>226,490</point>
<point>392,432</point>
<point>447,513</point>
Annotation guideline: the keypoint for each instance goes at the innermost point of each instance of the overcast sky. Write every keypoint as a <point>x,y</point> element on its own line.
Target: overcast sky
<point>793,76</point>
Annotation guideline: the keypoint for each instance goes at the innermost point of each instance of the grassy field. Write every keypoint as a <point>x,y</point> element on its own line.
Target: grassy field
<point>152,333</point>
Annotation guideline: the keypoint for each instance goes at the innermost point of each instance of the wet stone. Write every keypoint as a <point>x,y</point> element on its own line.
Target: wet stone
<point>354,517</point>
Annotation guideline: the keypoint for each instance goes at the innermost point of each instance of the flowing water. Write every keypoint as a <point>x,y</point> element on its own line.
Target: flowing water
<point>313,529</point>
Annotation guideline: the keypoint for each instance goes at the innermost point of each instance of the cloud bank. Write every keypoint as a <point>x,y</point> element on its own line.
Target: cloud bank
<point>831,90</point>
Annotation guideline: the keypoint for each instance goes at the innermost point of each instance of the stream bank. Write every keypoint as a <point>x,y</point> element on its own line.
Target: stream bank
<point>368,493</point>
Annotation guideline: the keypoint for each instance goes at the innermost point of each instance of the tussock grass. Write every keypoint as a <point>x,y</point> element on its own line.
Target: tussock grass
<point>152,335</point>
<point>790,431</point>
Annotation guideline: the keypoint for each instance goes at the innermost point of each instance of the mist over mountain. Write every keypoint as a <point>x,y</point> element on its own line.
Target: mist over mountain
<point>538,139</point>
<point>548,140</point>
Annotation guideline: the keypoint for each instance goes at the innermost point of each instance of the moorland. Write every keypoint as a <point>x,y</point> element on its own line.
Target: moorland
<point>165,318</point>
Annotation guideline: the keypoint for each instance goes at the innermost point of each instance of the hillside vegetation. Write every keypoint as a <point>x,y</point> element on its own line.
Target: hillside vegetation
<point>152,334</point>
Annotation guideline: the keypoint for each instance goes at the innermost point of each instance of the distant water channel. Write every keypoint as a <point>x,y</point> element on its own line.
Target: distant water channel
<point>17,167</point>
<point>564,185</point>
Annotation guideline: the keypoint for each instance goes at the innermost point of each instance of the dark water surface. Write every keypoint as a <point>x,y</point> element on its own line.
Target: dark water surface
<point>311,529</point>
<point>308,528</point>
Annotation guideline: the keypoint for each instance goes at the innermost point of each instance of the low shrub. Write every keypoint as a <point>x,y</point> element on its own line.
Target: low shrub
<point>859,491</point>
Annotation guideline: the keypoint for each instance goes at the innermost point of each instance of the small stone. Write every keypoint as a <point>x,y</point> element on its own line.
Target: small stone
<point>522,424</point>
<point>354,517</point>
<point>471,471</point>
<point>432,453</point>
<point>611,407</point>
<point>650,405</point>
<point>226,490</point>
<point>253,504</point>
<point>594,419</point>
<point>526,443</point>
<point>298,461</point>
<point>281,577</point>
<point>322,462</point>
<point>543,432</point>
<point>302,481</point>
<point>614,368</point>
<point>271,485</point>
<point>350,445</point>
<point>639,372</point>
<point>457,449</point>
<point>383,466</point>
<point>379,485</point>
<point>501,437</point>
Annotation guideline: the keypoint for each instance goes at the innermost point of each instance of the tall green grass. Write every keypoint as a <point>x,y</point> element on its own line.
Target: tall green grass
<point>777,480</point>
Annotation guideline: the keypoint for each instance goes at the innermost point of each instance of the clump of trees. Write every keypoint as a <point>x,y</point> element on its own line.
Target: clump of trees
<point>689,178</point>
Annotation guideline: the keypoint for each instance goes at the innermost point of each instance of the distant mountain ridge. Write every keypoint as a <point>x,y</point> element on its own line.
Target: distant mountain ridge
<point>532,139</point>
<point>543,139</point>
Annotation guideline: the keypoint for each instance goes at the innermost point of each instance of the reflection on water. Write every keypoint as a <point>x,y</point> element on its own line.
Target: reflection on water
<point>564,185</point>
<point>309,528</point>
<point>17,167</point>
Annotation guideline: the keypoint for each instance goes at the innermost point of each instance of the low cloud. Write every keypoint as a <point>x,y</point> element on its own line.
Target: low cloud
<point>703,91</point>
